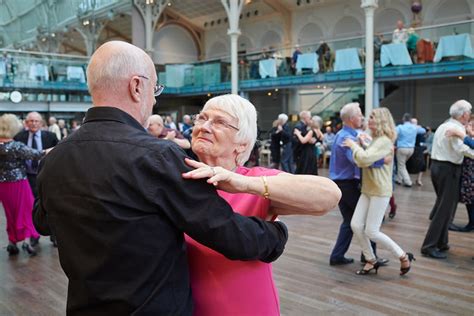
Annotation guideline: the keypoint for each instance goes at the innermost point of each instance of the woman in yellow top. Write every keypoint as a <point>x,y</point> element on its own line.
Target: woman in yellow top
<point>376,191</point>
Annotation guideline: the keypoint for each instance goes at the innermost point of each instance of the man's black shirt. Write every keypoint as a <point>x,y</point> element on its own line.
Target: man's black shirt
<point>115,198</point>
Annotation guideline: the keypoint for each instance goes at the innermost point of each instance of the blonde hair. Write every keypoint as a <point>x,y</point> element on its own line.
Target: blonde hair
<point>384,124</point>
<point>245,113</point>
<point>10,125</point>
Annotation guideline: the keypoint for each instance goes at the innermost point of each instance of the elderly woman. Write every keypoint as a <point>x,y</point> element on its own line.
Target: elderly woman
<point>15,191</point>
<point>223,136</point>
<point>466,195</point>
<point>376,191</point>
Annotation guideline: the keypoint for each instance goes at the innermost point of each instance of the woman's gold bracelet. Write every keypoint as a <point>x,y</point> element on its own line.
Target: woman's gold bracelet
<point>265,194</point>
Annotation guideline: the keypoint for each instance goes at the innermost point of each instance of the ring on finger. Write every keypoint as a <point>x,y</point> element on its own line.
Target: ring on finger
<point>213,171</point>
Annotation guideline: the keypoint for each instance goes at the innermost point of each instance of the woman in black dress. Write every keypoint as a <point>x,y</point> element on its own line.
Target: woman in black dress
<point>466,195</point>
<point>308,139</point>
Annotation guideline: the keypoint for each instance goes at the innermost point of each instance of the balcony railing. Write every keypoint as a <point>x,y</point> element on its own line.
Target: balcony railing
<point>336,60</point>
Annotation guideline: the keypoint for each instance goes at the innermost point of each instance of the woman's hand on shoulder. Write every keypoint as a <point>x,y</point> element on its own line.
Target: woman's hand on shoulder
<point>348,142</point>
<point>221,178</point>
<point>455,132</point>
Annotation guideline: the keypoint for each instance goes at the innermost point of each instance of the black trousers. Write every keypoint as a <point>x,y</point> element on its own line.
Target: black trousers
<point>32,180</point>
<point>446,179</point>
<point>350,196</point>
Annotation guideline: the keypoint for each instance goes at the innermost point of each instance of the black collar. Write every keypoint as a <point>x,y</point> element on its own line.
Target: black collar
<point>106,113</point>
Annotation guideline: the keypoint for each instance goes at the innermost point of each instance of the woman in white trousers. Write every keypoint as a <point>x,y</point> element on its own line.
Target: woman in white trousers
<point>376,191</point>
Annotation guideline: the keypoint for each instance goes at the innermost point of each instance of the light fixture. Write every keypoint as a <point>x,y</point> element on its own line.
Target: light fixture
<point>269,94</point>
<point>85,22</point>
<point>460,77</point>
<point>209,95</point>
<point>276,90</point>
<point>169,4</point>
<point>149,2</point>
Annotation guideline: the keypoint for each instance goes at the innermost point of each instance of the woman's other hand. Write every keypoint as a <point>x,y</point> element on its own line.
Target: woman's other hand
<point>348,142</point>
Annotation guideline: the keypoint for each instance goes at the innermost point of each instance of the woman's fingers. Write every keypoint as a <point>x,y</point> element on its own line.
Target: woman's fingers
<point>194,163</point>
<point>199,173</point>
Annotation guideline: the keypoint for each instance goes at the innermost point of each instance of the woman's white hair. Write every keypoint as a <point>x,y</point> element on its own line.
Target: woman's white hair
<point>106,74</point>
<point>245,113</point>
<point>10,125</point>
<point>459,108</point>
<point>283,117</point>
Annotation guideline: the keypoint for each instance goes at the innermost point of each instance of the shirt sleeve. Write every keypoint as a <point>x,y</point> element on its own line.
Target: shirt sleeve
<point>378,163</point>
<point>420,130</point>
<point>196,209</point>
<point>376,151</point>
<point>459,146</point>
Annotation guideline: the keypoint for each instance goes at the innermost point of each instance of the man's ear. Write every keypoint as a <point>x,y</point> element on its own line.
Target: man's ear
<point>135,89</point>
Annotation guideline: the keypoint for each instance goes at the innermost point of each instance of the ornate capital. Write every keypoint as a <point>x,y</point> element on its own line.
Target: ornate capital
<point>367,4</point>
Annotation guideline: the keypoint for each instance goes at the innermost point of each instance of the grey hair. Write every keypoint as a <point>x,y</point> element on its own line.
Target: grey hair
<point>318,120</point>
<point>305,114</point>
<point>106,74</point>
<point>349,110</point>
<point>30,114</point>
<point>283,117</point>
<point>10,125</point>
<point>459,108</point>
<point>245,113</point>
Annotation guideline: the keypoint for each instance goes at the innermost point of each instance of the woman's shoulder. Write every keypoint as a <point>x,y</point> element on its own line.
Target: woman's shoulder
<point>257,171</point>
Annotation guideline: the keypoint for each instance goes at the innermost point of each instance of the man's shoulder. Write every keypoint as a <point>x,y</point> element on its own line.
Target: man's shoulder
<point>48,134</point>
<point>20,136</point>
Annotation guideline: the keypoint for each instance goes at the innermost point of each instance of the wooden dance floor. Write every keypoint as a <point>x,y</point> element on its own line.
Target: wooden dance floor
<point>307,284</point>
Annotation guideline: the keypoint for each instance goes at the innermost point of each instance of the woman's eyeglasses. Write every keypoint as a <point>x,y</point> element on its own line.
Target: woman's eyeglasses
<point>158,89</point>
<point>217,123</point>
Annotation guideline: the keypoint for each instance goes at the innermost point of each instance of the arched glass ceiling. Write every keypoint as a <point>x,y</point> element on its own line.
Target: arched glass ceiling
<point>22,21</point>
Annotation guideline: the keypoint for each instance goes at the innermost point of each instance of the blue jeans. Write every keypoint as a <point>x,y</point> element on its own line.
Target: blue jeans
<point>287,158</point>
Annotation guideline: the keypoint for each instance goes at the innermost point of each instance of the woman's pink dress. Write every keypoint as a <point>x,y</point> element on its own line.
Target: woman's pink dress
<point>17,201</point>
<point>226,287</point>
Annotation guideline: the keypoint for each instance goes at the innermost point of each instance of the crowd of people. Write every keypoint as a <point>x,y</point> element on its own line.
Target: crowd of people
<point>197,226</point>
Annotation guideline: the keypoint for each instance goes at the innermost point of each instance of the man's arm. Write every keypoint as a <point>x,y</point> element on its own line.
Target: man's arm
<point>459,146</point>
<point>420,130</point>
<point>196,209</point>
<point>40,216</point>
<point>40,219</point>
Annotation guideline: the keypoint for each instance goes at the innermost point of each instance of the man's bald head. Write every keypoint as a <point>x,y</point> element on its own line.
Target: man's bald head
<point>122,75</point>
<point>112,65</point>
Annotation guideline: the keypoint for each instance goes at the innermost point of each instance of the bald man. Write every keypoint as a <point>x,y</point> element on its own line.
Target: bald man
<point>156,127</point>
<point>116,198</point>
